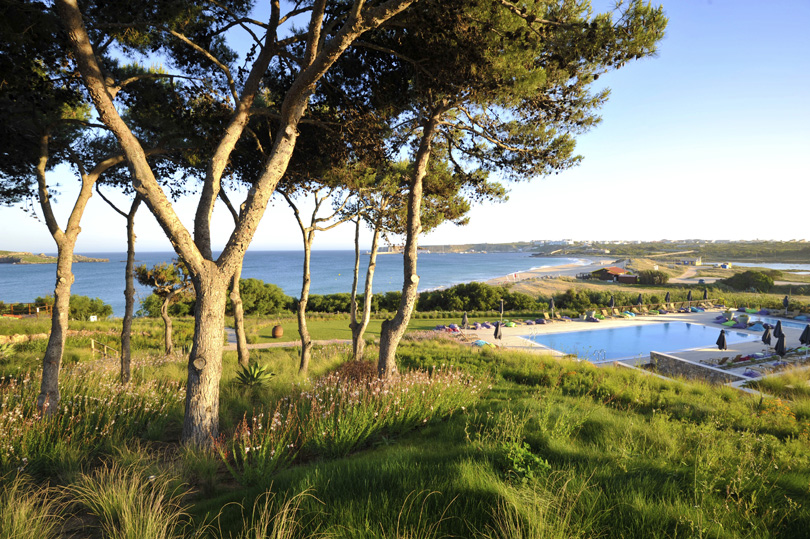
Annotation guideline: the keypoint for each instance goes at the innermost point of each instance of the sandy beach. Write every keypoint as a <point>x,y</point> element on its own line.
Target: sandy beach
<point>567,270</point>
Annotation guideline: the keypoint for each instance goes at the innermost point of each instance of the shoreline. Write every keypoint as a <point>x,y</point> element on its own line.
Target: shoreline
<point>548,272</point>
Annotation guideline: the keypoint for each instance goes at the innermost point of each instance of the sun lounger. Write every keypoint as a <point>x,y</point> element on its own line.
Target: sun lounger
<point>635,311</point>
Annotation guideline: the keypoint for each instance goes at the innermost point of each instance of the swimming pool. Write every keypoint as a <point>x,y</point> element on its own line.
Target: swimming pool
<point>795,324</point>
<point>632,341</point>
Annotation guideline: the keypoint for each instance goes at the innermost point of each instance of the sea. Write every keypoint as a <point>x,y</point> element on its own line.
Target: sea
<point>332,272</point>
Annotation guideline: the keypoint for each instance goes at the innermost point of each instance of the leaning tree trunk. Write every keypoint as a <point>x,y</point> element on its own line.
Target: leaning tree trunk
<point>303,331</point>
<point>201,422</point>
<point>48,400</point>
<point>359,328</point>
<point>129,296</point>
<point>393,329</point>
<point>239,319</point>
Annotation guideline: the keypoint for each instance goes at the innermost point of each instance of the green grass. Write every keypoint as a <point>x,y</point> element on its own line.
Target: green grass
<point>338,328</point>
<point>549,449</point>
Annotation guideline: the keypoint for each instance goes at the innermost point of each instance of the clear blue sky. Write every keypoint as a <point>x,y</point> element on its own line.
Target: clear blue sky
<point>710,139</point>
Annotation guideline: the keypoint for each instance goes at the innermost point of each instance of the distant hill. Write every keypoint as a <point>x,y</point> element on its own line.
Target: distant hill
<point>514,247</point>
<point>11,257</point>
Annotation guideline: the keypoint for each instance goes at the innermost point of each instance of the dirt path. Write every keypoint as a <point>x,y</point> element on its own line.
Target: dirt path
<point>687,276</point>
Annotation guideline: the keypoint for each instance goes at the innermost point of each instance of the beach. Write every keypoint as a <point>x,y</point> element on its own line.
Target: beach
<point>565,270</point>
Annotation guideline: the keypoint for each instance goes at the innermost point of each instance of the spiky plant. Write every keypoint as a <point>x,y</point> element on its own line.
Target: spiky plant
<point>254,375</point>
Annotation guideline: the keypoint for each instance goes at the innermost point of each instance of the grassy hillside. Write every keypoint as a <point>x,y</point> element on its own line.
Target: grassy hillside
<point>482,444</point>
<point>14,257</point>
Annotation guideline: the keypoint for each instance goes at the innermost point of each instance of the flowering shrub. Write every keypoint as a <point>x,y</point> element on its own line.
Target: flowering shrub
<point>340,413</point>
<point>94,409</point>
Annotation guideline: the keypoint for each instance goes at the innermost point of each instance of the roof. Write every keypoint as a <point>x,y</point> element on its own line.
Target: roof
<point>613,270</point>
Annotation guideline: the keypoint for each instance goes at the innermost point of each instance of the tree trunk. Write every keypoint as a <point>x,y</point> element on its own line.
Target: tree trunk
<point>354,324</point>
<point>359,329</point>
<point>48,400</point>
<point>168,345</point>
<point>303,331</point>
<point>201,422</point>
<point>239,319</point>
<point>129,296</point>
<point>393,329</point>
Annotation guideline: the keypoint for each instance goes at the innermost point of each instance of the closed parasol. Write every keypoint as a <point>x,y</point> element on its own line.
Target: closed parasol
<point>766,336</point>
<point>721,340</point>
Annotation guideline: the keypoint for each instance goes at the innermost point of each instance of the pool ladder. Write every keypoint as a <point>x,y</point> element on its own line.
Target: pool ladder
<point>599,355</point>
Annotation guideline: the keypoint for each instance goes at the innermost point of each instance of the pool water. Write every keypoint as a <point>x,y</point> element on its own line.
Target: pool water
<point>795,324</point>
<point>632,341</point>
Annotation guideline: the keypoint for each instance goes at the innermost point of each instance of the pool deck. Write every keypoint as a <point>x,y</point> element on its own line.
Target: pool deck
<point>513,338</point>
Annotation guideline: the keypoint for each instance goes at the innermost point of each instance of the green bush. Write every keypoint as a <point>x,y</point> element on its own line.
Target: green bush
<point>182,305</point>
<point>653,277</point>
<point>261,298</point>
<point>474,297</point>
<point>749,280</point>
<point>82,307</point>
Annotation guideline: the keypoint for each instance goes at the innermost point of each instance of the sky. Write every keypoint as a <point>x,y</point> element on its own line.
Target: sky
<point>709,139</point>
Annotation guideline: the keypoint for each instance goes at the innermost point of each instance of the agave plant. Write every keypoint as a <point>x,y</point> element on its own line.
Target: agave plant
<point>254,375</point>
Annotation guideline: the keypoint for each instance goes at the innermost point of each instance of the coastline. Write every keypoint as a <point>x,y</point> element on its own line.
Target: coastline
<point>567,270</point>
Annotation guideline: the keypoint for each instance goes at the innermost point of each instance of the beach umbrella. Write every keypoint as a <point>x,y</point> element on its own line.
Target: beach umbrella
<point>785,303</point>
<point>501,310</point>
<point>777,331</point>
<point>705,293</point>
<point>639,301</point>
<point>689,296</point>
<point>612,302</point>
<point>464,320</point>
<point>780,345</point>
<point>551,305</point>
<point>667,299</point>
<point>721,340</point>
<point>766,337</point>
<point>498,331</point>
<point>804,338</point>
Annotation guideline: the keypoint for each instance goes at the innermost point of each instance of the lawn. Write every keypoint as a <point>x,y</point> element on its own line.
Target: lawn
<point>338,328</point>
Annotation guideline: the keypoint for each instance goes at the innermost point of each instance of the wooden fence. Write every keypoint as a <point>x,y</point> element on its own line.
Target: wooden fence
<point>26,309</point>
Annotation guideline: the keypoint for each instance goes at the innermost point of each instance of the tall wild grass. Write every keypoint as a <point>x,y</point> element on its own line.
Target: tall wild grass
<point>340,413</point>
<point>95,411</point>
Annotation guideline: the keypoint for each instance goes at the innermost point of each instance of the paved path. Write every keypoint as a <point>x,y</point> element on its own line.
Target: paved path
<point>231,346</point>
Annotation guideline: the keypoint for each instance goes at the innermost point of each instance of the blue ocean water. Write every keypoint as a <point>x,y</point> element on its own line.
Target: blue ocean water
<point>332,272</point>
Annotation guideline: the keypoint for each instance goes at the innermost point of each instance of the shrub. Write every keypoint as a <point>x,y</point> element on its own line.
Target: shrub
<point>182,305</point>
<point>82,307</point>
<point>474,297</point>
<point>748,280</point>
<point>261,298</point>
<point>653,277</point>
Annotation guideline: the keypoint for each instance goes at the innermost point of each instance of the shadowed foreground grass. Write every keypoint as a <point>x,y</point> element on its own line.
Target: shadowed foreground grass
<point>544,449</point>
